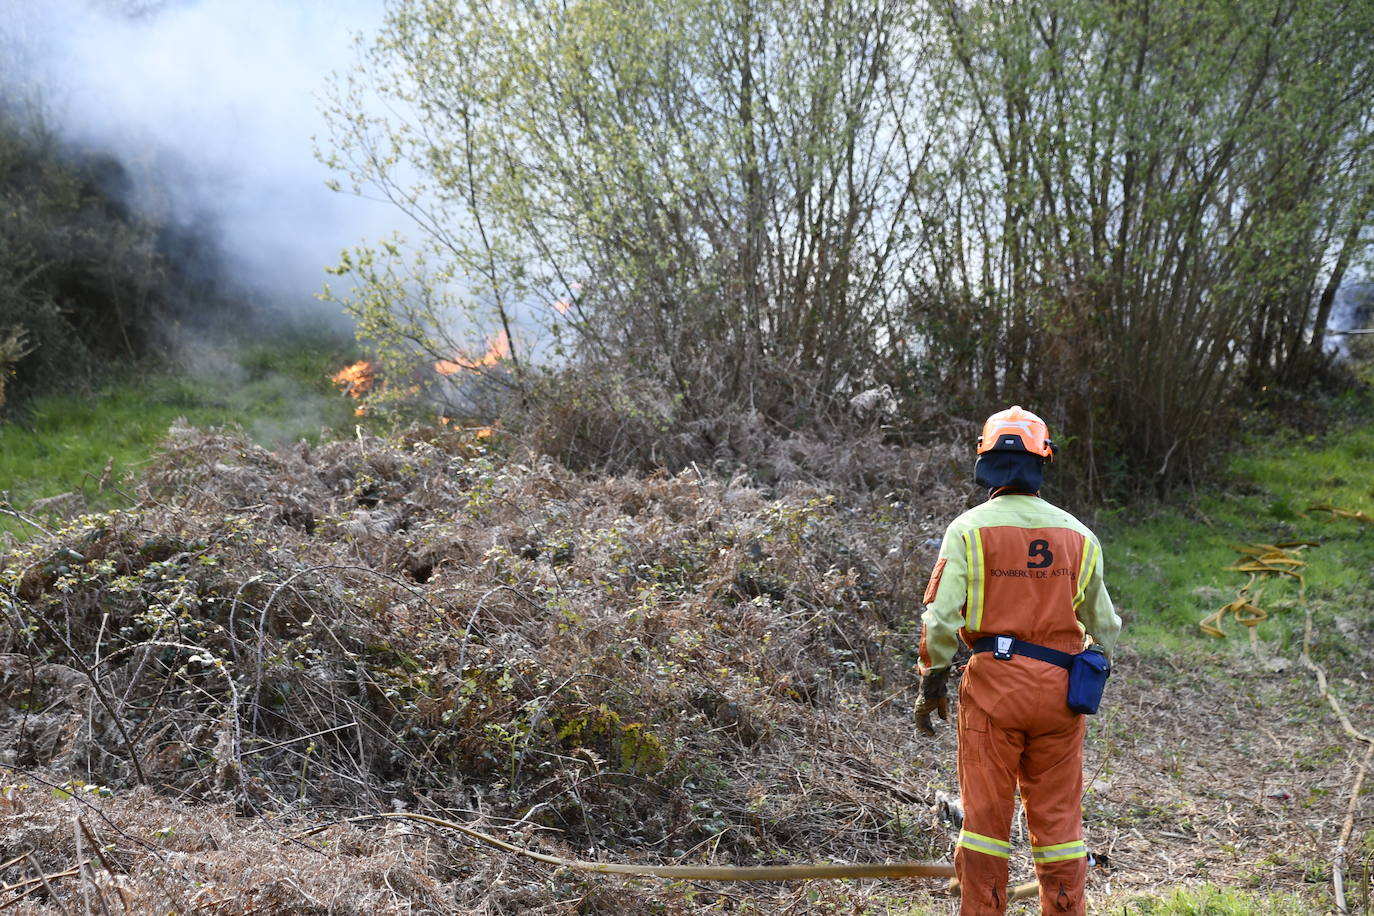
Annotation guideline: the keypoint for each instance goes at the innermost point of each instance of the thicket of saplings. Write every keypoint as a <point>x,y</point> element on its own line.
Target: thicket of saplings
<point>1128,217</point>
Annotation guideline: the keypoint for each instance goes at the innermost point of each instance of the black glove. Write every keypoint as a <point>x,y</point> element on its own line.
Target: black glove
<point>934,698</point>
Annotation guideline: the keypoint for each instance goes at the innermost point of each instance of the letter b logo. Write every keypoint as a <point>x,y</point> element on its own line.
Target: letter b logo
<point>1040,554</point>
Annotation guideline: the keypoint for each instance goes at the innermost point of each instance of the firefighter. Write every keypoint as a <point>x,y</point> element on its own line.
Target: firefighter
<point>1019,581</point>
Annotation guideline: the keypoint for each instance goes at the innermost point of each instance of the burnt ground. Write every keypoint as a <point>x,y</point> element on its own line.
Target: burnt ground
<point>676,668</point>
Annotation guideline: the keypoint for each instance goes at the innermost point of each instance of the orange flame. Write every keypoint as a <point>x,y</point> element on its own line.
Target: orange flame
<point>478,432</point>
<point>498,348</point>
<point>356,380</point>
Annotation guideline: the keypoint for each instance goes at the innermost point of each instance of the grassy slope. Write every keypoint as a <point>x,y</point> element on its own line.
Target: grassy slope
<point>1168,572</point>
<point>1168,563</point>
<point>278,392</point>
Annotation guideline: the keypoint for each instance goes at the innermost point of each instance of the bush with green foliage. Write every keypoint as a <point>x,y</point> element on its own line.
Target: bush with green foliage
<point>1123,216</point>
<point>75,272</point>
<point>84,280</point>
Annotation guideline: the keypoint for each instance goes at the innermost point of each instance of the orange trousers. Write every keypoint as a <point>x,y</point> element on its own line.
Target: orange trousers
<point>1015,729</point>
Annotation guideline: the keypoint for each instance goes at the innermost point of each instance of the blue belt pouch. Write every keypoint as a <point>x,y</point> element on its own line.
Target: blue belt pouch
<point>1088,673</point>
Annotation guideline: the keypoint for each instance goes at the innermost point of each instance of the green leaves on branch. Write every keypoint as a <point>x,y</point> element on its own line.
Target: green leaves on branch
<point>719,190</point>
<point>1123,214</point>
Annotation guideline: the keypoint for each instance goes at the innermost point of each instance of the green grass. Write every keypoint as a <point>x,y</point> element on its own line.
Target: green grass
<point>1215,901</point>
<point>1207,900</point>
<point>1166,563</point>
<point>277,392</point>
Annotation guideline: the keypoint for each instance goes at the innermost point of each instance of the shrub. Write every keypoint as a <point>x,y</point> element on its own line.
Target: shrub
<point>1120,216</point>
<point>84,281</point>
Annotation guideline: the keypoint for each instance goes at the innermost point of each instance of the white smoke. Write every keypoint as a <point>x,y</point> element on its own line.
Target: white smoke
<point>211,105</point>
<point>1352,310</point>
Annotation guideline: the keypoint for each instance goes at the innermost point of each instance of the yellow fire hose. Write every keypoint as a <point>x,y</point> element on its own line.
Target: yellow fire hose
<point>697,872</point>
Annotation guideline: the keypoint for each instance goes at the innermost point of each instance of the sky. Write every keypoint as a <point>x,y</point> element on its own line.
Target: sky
<point>212,106</point>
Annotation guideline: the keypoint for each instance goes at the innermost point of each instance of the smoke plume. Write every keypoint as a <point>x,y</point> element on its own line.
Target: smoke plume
<point>210,106</point>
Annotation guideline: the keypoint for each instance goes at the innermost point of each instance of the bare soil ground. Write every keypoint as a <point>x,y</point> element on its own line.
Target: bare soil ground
<point>674,669</point>
<point>1235,772</point>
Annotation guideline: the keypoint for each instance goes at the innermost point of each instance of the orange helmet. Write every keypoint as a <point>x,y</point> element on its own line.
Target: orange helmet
<point>1016,430</point>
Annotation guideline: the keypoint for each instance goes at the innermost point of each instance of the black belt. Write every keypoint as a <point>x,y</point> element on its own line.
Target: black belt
<point>1006,646</point>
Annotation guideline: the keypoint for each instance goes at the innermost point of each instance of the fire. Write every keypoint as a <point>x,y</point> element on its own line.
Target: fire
<point>362,377</point>
<point>498,348</point>
<point>478,432</point>
<point>356,380</point>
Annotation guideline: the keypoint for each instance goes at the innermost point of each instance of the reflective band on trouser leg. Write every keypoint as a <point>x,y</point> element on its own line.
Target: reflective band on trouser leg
<point>1075,850</point>
<point>985,844</point>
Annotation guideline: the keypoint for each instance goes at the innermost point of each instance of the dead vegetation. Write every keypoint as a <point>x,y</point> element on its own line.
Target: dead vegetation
<point>630,666</point>
<point>687,668</point>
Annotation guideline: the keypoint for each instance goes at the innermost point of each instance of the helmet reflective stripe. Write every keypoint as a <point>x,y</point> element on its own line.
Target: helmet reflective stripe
<point>1024,425</point>
<point>1075,850</point>
<point>984,844</point>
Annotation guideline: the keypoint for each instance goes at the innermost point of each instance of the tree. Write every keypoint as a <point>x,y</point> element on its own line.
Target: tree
<point>84,281</point>
<point>1118,212</point>
<point>723,190</point>
<point>1154,203</point>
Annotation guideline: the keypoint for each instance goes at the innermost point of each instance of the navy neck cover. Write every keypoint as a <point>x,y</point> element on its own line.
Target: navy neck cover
<point>1020,472</point>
